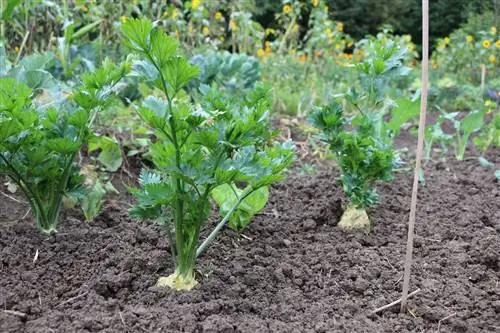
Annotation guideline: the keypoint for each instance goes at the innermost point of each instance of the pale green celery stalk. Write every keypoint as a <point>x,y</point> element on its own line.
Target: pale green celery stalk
<point>223,222</point>
<point>461,146</point>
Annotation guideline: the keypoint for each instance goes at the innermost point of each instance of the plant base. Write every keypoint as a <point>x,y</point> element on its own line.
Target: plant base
<point>355,218</point>
<point>49,230</point>
<point>177,282</point>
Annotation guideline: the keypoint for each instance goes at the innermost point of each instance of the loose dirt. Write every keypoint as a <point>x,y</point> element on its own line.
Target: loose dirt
<point>295,271</point>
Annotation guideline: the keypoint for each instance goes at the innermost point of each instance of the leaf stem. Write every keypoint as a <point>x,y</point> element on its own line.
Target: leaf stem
<point>221,224</point>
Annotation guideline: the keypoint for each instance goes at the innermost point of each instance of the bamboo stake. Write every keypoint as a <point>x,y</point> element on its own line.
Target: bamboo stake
<point>483,77</point>
<point>420,146</point>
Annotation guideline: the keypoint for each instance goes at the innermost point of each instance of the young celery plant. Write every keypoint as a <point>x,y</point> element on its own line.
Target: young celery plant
<point>363,158</point>
<point>38,146</point>
<point>363,142</point>
<point>198,148</point>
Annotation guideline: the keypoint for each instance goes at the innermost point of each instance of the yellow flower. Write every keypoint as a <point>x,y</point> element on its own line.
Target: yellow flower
<point>261,53</point>
<point>328,32</point>
<point>493,30</point>
<point>267,43</point>
<point>340,26</point>
<point>287,9</point>
<point>270,31</point>
<point>497,44</point>
<point>85,9</point>
<point>190,28</point>
<point>486,44</point>
<point>233,25</point>
<point>446,40</point>
<point>492,59</point>
<point>123,19</point>
<point>295,27</point>
<point>218,16</point>
<point>293,50</point>
<point>318,54</point>
<point>469,38</point>
<point>175,13</point>
<point>315,3</point>
<point>407,38</point>
<point>338,46</point>
<point>302,58</point>
<point>205,31</point>
<point>16,49</point>
<point>195,4</point>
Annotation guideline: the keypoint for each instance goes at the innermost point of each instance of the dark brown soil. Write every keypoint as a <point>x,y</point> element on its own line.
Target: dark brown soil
<point>296,272</point>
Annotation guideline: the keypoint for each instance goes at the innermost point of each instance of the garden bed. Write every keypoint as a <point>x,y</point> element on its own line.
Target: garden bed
<point>293,272</point>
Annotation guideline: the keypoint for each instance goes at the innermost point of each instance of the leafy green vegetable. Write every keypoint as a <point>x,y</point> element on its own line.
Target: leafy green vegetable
<point>405,110</point>
<point>235,73</point>
<point>490,135</point>
<point>110,155</point>
<point>38,146</point>
<point>470,124</point>
<point>96,187</point>
<point>363,157</point>
<point>363,142</point>
<point>227,195</point>
<point>197,148</point>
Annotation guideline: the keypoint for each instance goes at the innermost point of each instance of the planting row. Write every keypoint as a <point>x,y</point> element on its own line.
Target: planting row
<point>204,144</point>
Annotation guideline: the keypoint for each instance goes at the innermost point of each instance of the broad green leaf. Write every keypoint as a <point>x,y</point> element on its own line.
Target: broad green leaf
<point>137,33</point>
<point>163,47</point>
<point>92,201</point>
<point>472,122</point>
<point>178,72</point>
<point>64,145</point>
<point>227,195</point>
<point>110,155</point>
<point>11,5</point>
<point>406,110</point>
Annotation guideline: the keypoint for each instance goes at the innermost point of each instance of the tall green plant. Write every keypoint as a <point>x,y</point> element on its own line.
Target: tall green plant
<point>38,146</point>
<point>198,148</point>
<point>362,139</point>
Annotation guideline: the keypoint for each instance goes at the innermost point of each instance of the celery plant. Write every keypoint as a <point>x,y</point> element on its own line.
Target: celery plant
<point>198,148</point>
<point>38,146</point>
<point>363,140</point>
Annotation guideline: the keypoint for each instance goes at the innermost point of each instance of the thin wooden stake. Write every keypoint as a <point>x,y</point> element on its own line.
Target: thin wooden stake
<point>483,77</point>
<point>420,148</point>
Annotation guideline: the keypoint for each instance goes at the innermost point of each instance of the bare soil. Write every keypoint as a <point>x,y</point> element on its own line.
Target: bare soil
<point>295,271</point>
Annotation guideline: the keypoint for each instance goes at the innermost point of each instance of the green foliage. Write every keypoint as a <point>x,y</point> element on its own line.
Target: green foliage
<point>406,110</point>
<point>227,195</point>
<point>362,156</point>
<point>197,147</point>
<point>490,134</point>
<point>435,134</point>
<point>363,141</point>
<point>38,146</point>
<point>464,127</point>
<point>110,153</point>
<point>471,123</point>
<point>235,73</point>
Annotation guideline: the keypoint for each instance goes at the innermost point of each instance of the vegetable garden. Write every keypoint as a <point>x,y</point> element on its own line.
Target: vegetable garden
<point>186,166</point>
